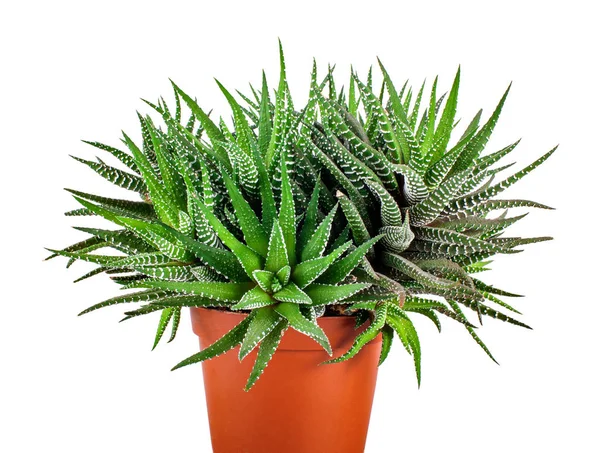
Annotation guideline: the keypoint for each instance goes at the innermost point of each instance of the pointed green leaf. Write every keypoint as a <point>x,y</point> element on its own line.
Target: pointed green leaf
<point>291,312</point>
<point>242,128</point>
<point>212,131</point>
<point>172,273</point>
<point>265,123</point>
<point>165,317</point>
<point>387,334</point>
<point>316,244</point>
<point>125,158</point>
<point>467,202</point>
<point>291,293</point>
<point>284,274</point>
<point>471,330</point>
<point>322,294</point>
<point>342,268</point>
<point>365,337</point>
<point>249,259</point>
<point>308,271</point>
<point>141,296</point>
<point>162,202</point>
<point>287,214</point>
<point>265,352</point>
<point>245,168</point>
<point>429,209</point>
<point>408,335</point>
<point>390,211</point>
<point>229,341</point>
<point>160,236</point>
<point>263,322</point>
<point>446,124</point>
<point>478,142</point>
<point>357,225</point>
<point>413,271</point>
<point>471,244</point>
<point>116,176</point>
<point>310,218</point>
<point>264,279</point>
<point>220,291</point>
<point>253,231</point>
<point>221,260</point>
<point>277,256</point>
<point>254,299</point>
<point>382,120</point>
<point>175,323</point>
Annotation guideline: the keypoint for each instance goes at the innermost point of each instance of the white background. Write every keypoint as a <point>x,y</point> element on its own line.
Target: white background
<point>76,70</point>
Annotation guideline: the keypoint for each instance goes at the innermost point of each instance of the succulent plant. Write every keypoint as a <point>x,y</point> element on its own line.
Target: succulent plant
<point>212,233</point>
<point>397,175</point>
<point>245,216</point>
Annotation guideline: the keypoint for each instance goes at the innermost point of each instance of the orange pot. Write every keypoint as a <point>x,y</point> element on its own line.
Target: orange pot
<point>298,405</point>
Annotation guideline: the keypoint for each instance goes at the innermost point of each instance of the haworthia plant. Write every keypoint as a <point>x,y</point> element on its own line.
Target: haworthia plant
<point>360,205</point>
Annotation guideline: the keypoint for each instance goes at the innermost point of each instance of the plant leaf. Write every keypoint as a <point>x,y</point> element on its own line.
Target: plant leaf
<point>229,341</point>
<point>322,294</point>
<point>366,336</point>
<point>308,271</point>
<point>263,322</point>
<point>291,293</point>
<point>339,270</point>
<point>249,259</point>
<point>253,231</point>
<point>254,299</point>
<point>265,352</point>
<point>317,243</point>
<point>165,317</point>
<point>219,291</point>
<point>287,214</point>
<point>408,335</point>
<point>387,335</point>
<point>116,176</point>
<point>291,312</point>
<point>277,256</point>
<point>141,296</point>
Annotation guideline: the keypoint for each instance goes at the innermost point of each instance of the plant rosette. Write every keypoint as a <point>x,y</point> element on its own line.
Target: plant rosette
<point>357,206</point>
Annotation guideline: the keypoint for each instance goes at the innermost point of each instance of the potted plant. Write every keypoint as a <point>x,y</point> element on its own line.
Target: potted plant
<point>304,239</point>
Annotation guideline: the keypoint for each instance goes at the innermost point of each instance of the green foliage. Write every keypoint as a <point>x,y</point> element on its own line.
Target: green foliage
<point>433,216</point>
<point>359,204</point>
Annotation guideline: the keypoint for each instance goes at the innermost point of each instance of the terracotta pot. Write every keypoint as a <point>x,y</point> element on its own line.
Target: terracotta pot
<point>297,406</point>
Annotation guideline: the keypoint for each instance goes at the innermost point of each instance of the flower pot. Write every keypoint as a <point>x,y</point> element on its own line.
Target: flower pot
<point>298,405</point>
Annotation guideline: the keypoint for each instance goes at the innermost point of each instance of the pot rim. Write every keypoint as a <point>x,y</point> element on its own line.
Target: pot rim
<point>240,313</point>
<point>340,331</point>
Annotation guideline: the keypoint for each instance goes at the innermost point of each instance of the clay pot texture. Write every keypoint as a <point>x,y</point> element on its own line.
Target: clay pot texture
<point>298,405</point>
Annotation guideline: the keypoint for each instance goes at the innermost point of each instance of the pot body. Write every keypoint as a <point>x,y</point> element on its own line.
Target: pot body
<point>297,406</point>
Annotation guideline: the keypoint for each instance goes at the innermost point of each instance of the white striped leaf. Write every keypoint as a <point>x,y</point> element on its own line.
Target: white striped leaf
<point>227,342</point>
<point>291,312</point>
<point>125,158</point>
<point>413,271</point>
<point>323,294</point>
<point>468,202</point>
<point>264,321</point>
<point>267,348</point>
<point>366,336</point>
<point>429,209</point>
<point>391,215</point>
<point>116,176</point>
<point>165,317</point>
<point>219,291</point>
